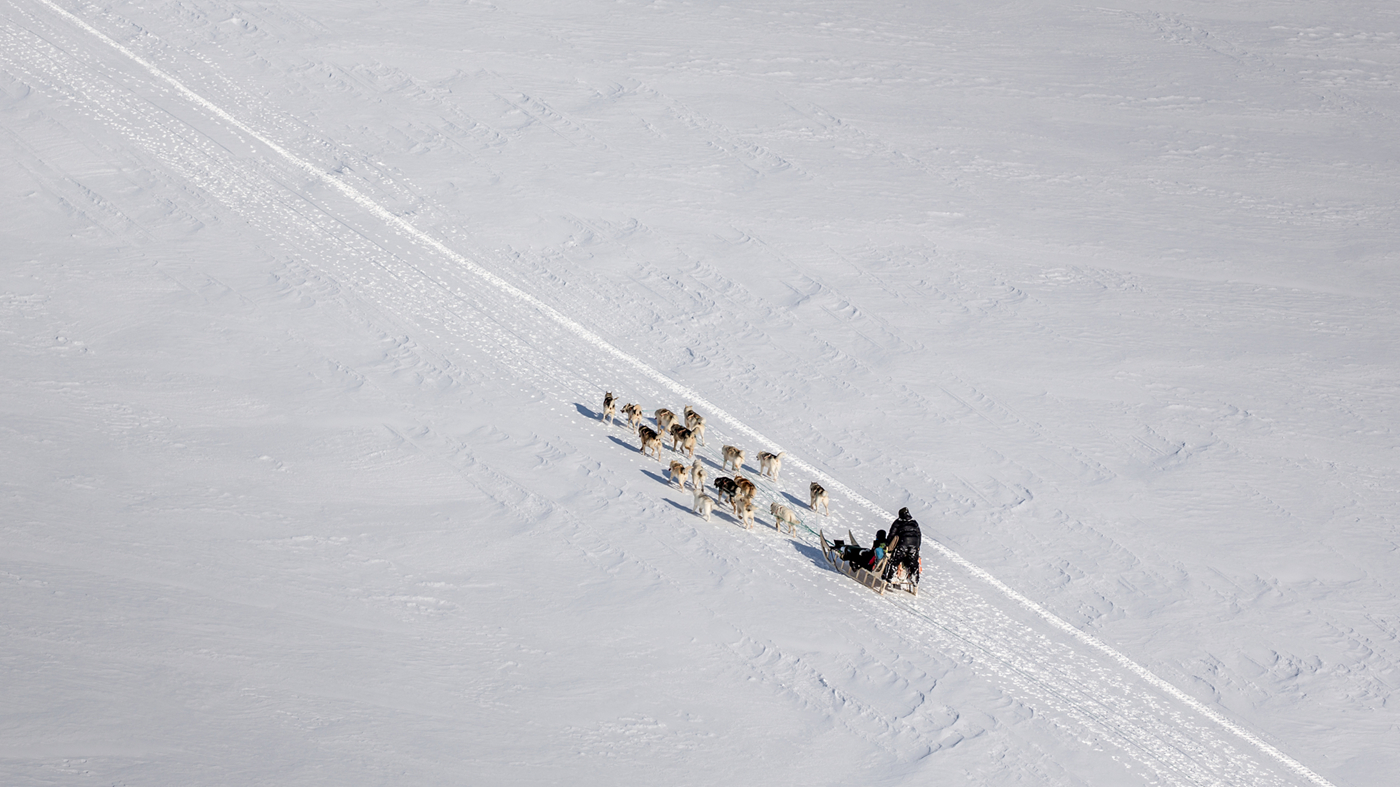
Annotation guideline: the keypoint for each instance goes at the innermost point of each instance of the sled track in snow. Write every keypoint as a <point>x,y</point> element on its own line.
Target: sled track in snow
<point>1172,756</point>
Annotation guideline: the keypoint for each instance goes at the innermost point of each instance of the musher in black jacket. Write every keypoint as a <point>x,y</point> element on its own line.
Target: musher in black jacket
<point>906,552</point>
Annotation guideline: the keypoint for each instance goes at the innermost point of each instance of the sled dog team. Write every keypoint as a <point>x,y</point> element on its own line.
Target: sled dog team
<point>738,492</point>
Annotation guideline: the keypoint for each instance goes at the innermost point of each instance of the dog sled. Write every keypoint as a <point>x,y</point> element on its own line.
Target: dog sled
<point>870,578</point>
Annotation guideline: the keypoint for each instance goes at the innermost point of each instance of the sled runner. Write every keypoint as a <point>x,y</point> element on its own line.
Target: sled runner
<point>869,579</point>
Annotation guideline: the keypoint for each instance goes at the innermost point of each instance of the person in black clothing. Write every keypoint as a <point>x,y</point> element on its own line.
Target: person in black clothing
<point>906,552</point>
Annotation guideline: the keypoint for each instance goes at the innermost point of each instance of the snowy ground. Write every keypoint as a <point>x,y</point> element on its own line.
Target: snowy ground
<point>308,309</point>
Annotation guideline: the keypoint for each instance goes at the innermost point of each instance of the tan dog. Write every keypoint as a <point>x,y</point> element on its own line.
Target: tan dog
<point>679,473</point>
<point>651,442</point>
<point>820,498</point>
<point>634,415</point>
<point>782,515</point>
<point>609,408</point>
<point>770,464</point>
<point>665,419</point>
<point>733,456</point>
<point>746,516</point>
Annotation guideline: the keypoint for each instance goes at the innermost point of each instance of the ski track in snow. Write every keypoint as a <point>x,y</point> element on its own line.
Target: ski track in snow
<point>403,275</point>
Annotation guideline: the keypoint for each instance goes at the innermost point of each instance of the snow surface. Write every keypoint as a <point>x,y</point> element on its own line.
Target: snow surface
<point>309,307</point>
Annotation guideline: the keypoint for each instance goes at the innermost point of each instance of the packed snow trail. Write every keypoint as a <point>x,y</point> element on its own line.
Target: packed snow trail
<point>1054,674</point>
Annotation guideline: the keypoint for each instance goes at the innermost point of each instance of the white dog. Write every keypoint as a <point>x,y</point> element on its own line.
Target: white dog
<point>820,498</point>
<point>733,456</point>
<point>634,415</point>
<point>782,515</point>
<point>704,504</point>
<point>697,476</point>
<point>770,464</point>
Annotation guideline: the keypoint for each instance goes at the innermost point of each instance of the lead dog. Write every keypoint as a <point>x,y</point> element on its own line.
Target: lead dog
<point>782,515</point>
<point>733,456</point>
<point>819,498</point>
<point>664,420</point>
<point>770,464</point>
<point>651,442</point>
<point>609,408</point>
<point>704,504</point>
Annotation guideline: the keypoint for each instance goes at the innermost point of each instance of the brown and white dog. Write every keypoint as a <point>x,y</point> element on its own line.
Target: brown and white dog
<point>770,464</point>
<point>820,498</point>
<point>651,442</point>
<point>680,436</point>
<point>733,456</point>
<point>704,504</point>
<point>744,492</point>
<point>664,420</point>
<point>679,473</point>
<point>782,515</point>
<point>634,415</point>
<point>609,408</point>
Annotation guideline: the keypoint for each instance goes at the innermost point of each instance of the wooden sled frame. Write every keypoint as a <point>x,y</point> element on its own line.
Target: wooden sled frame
<point>871,579</point>
<point>864,577</point>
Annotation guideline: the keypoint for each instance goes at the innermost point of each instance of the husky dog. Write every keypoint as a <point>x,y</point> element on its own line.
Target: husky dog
<point>651,441</point>
<point>782,515</point>
<point>680,436</point>
<point>820,498</point>
<point>679,473</point>
<point>609,408</point>
<point>634,415</point>
<point>734,456</point>
<point>770,464</point>
<point>664,420</point>
<point>699,430</point>
<point>744,492</point>
<point>746,516</point>
<point>704,504</point>
<point>697,476</point>
<point>692,418</point>
<point>725,487</point>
